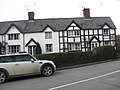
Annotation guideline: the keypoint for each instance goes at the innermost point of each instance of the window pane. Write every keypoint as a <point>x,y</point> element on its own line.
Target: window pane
<point>14,49</point>
<point>13,36</point>
<point>70,33</point>
<point>49,48</point>
<point>77,33</point>
<point>105,31</point>
<point>22,58</point>
<point>5,59</point>
<point>48,35</point>
<point>74,46</point>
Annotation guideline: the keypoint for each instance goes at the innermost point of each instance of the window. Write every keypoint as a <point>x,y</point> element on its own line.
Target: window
<point>48,35</point>
<point>5,59</point>
<point>32,50</point>
<point>13,36</point>
<point>106,43</point>
<point>105,31</point>
<point>13,49</point>
<point>49,47</point>
<point>77,33</point>
<point>21,58</point>
<point>77,46</point>
<point>70,33</point>
<point>74,33</point>
<point>74,46</point>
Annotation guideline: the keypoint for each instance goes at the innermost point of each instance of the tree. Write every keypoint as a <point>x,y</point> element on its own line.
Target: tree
<point>38,48</point>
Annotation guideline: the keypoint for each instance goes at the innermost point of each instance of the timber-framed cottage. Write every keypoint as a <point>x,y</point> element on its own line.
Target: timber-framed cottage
<point>57,34</point>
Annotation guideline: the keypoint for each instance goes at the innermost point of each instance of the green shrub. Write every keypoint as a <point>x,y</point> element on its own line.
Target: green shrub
<point>76,58</point>
<point>38,49</point>
<point>104,53</point>
<point>68,59</point>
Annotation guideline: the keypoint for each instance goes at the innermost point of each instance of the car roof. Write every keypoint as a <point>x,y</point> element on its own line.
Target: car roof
<point>14,54</point>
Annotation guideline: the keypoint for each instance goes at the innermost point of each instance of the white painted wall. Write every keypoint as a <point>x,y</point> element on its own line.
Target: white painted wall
<point>40,38</point>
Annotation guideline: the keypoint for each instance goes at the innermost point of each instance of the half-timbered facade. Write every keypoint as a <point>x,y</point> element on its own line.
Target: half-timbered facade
<point>57,34</point>
<point>77,37</point>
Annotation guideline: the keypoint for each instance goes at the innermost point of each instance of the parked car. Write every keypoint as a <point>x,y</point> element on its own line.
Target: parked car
<point>23,64</point>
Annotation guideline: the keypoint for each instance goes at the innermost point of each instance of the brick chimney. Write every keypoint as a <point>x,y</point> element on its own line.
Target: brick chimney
<point>31,15</point>
<point>86,13</point>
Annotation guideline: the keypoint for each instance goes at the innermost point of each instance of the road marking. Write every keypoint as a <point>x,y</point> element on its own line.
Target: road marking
<point>82,81</point>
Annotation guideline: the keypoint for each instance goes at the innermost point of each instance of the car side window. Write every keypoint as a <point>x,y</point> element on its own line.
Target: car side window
<point>22,58</point>
<point>6,59</point>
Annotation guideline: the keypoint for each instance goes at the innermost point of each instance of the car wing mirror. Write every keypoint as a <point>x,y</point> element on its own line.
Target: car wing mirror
<point>32,60</point>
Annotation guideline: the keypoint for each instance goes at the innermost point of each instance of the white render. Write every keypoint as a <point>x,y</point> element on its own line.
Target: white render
<point>40,38</point>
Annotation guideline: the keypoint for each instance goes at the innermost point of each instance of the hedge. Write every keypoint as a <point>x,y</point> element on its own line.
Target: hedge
<point>67,58</point>
<point>77,58</point>
<point>104,53</point>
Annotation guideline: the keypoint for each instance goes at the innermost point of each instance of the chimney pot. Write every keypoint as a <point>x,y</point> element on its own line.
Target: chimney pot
<point>86,13</point>
<point>31,15</point>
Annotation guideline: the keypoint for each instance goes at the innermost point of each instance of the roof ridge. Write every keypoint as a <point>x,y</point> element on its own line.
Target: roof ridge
<point>53,19</point>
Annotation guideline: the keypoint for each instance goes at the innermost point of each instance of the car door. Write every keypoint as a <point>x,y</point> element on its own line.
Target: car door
<point>24,65</point>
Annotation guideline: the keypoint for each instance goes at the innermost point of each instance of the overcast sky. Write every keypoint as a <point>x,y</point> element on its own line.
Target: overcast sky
<point>12,10</point>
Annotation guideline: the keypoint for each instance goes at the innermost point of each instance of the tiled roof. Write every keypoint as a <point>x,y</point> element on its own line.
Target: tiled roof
<point>57,24</point>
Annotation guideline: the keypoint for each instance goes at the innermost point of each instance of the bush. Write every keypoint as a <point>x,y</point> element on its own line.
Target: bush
<point>67,58</point>
<point>38,49</point>
<point>104,53</point>
<point>76,58</point>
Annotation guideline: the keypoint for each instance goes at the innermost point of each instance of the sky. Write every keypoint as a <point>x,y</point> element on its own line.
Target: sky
<point>13,10</point>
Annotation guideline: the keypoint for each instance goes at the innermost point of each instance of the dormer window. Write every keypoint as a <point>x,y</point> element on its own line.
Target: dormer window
<point>13,36</point>
<point>48,35</point>
<point>74,33</point>
<point>105,31</point>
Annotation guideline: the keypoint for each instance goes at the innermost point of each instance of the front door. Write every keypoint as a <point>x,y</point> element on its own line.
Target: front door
<point>94,42</point>
<point>32,50</point>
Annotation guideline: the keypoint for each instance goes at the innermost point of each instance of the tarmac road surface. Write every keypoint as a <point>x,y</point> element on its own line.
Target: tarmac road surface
<point>104,76</point>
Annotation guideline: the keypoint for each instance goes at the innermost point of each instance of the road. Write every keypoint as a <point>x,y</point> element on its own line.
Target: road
<point>104,76</point>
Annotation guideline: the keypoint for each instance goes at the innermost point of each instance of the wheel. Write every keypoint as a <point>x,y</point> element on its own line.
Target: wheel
<point>2,77</point>
<point>47,70</point>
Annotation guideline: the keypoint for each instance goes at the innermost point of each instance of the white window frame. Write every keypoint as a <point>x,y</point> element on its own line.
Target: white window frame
<point>48,35</point>
<point>14,49</point>
<point>70,33</point>
<point>77,33</point>
<point>105,31</point>
<point>13,36</point>
<point>74,46</point>
<point>74,33</point>
<point>106,43</point>
<point>49,47</point>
